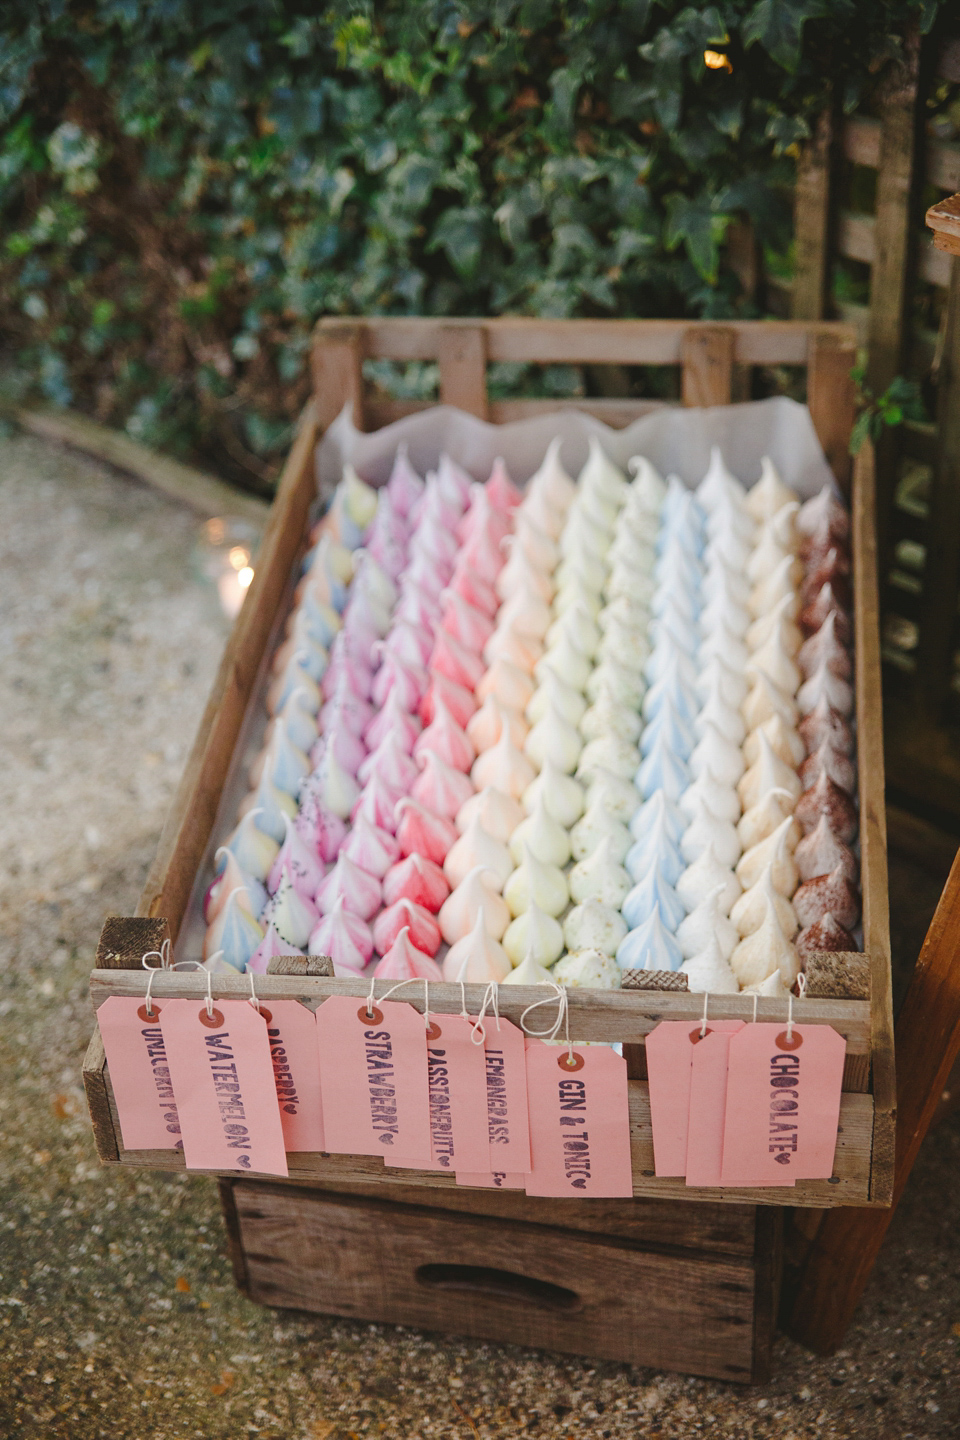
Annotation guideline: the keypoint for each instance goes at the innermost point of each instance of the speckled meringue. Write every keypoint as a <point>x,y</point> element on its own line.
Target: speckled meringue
<point>504,767</point>
<point>343,936</point>
<point>477,847</point>
<point>824,646</point>
<point>707,829</point>
<point>477,894</point>
<point>652,893</point>
<point>594,926</point>
<point>821,853</point>
<point>784,742</point>
<point>721,797</point>
<point>831,894</point>
<point>765,951</point>
<point>615,794</point>
<point>553,738</point>
<point>825,797</point>
<point>595,826</point>
<point>486,725</point>
<point>535,933</point>
<point>234,932</point>
<point>536,882</point>
<point>709,971</point>
<point>775,851</point>
<point>272,805</point>
<point>773,660</point>
<point>825,515</point>
<point>529,972</point>
<point>824,723</point>
<point>827,934</point>
<point>608,717</point>
<point>621,682</point>
<point>271,945</point>
<point>403,961</point>
<point>826,760</point>
<point>292,914</point>
<point>824,684</point>
<point>649,947</point>
<point>827,601</point>
<point>507,683</point>
<point>574,591</point>
<point>566,662</point>
<point>763,818</point>
<point>608,753</point>
<point>705,875</point>
<point>547,839</point>
<point>498,813</point>
<point>768,772</point>
<point>577,624</point>
<point>562,795</point>
<point>706,923</point>
<point>323,832</point>
<point>252,848</point>
<point>600,876</point>
<point>717,755</point>
<point>766,699</point>
<point>298,860</point>
<point>750,910</point>
<point>477,958</point>
<point>588,969</point>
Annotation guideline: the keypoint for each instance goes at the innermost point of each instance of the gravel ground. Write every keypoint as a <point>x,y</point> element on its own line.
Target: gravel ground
<point>118,1313</point>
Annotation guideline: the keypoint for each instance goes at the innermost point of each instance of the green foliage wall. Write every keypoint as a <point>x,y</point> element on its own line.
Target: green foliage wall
<point>186,185</point>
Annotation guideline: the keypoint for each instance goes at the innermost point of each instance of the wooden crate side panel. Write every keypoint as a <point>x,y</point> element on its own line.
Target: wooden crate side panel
<point>510,1283</point>
<point>106,1131</point>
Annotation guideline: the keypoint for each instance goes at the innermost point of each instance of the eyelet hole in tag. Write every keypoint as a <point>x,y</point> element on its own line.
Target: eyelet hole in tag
<point>570,1062</point>
<point>699,1034</point>
<point>370,1017</point>
<point>148,1015</point>
<point>433,1031</point>
<point>265,1013</point>
<point>785,1042</point>
<point>213,1021</point>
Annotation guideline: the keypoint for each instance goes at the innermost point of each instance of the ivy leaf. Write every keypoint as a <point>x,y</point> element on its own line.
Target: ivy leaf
<point>693,222</point>
<point>785,131</point>
<point>459,234</point>
<point>778,26</point>
<point>860,432</point>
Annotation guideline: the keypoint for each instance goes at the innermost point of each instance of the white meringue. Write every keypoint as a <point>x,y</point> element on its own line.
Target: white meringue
<point>750,910</point>
<point>704,876</point>
<point>707,922</point>
<point>765,498</point>
<point>554,693</point>
<point>764,951</point>
<point>709,972</point>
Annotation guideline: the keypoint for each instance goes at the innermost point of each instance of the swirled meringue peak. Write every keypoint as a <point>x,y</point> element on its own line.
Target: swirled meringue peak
<point>552,480</point>
<point>660,815</point>
<point>251,847</point>
<point>421,832</point>
<point>555,694</point>
<point>233,931</point>
<point>404,487</point>
<point>600,876</point>
<point>540,511</point>
<point>588,969</point>
<point>662,769</point>
<point>766,816</point>
<point>775,851</point>
<point>323,831</point>
<point>706,828</point>
<point>521,573</point>
<point>825,797</point>
<point>577,624</point>
<point>529,972</point>
<point>501,491</point>
<point>477,847</point>
<point>652,892</point>
<point>716,755</point>
<point>566,662</point>
<point>648,489</point>
<point>824,684</point>
<point>251,893</point>
<point>299,723</point>
<point>600,474</point>
<point>707,922</point>
<point>719,486</point>
<point>407,677</point>
<point>413,643</point>
<point>507,683</point>
<point>403,961</point>
<point>672,690</point>
<point>609,716</point>
<point>709,971</point>
<point>444,737</point>
<point>834,763</point>
<point>562,795</point>
<point>721,797</point>
<point>677,732</point>
<point>372,848</point>
<point>615,794</point>
<point>297,859</point>
<point>533,933</point>
<point>498,813</point>
<point>391,761</point>
<point>291,914</point>
<point>360,890</point>
<point>454,482</point>
<point>458,700</point>
<point>478,894</point>
<point>585,540</point>
<point>272,806</point>
<point>469,626</point>
<point>768,772</point>
<point>476,958</point>
<point>504,767</point>
<point>553,738</point>
<point>784,742</point>
<point>272,944</point>
<point>821,853</point>
<point>422,926</point>
<point>766,497</point>
<point>765,951</point>
<point>750,910</point>
<point>418,879</point>
<point>507,643</point>
<point>440,787</point>
<point>706,874</point>
<point>547,839</point>
<point>344,937</point>
<point>475,590</point>
<point>620,681</point>
<point>776,620</point>
<point>534,882</point>
<point>766,699</point>
<point>827,934</point>
<point>575,591</point>
<point>594,926</point>
<point>482,514</point>
<point>828,894</point>
<point>780,584</point>
<point>378,803</point>
<point>608,754</point>
<point>294,676</point>
<point>594,826</point>
<point>649,947</point>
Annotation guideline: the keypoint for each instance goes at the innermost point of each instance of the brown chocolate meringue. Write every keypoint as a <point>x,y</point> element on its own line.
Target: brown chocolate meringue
<point>823,684</point>
<point>826,798</point>
<point>838,766</point>
<point>813,614</point>
<point>820,853</point>
<point>824,645</point>
<point>827,895</point>
<point>824,518</point>
<point>826,935</point>
<point>825,723</point>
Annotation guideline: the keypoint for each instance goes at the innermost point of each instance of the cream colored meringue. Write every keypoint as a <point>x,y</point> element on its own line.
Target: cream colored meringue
<point>477,896</point>
<point>555,694</point>
<point>625,611</point>
<point>540,550</point>
<point>763,818</point>
<point>551,479</point>
<point>608,753</point>
<point>547,839</point>
<point>765,498</point>
<point>575,592</point>
<point>772,988</point>
<point>600,474</point>
<point>594,827</point>
<point>594,926</point>
<point>504,767</point>
<point>750,911</point>
<point>626,582</point>
<point>621,682</point>
<point>765,951</point>
<point>566,662</point>
<point>709,972</point>
<point>776,851</point>
<point>486,725</point>
<point>476,958</point>
<point>498,813</point>
<point>784,741</point>
<point>611,792</point>
<point>541,512</point>
<point>778,585</point>
<point>776,620</point>
<point>764,700</point>
<point>588,970</point>
<point>704,923</point>
<point>526,613</point>
<point>475,848</point>
<point>520,573</point>
<point>529,972</point>
<point>600,877</point>
<point>706,875</point>
<point>578,625</point>
<point>562,795</point>
<point>773,660</point>
<point>507,644</point>
<point>533,933</point>
<point>553,738</point>
<point>535,882</point>
<point>768,772</point>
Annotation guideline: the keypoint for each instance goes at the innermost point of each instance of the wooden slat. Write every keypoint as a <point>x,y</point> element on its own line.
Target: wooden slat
<point>371,1260</point>
<point>861,145</point>
<point>194,809</point>
<point>521,339</point>
<point>463,369</point>
<point>337,368</point>
<point>707,358</point>
<point>608,1015</point>
<point>856,239</point>
<point>832,400</point>
<point>95,1089</point>
<point>811,222</point>
<point>944,221</point>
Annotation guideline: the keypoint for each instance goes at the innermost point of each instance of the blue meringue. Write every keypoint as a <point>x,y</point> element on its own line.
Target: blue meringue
<point>653,893</point>
<point>667,657</point>
<point>678,731</point>
<point>272,803</point>
<point>663,770</point>
<point>659,812</point>
<point>300,723</point>
<point>654,849</point>
<point>672,688</point>
<point>318,620</point>
<point>649,947</point>
<point>676,565</point>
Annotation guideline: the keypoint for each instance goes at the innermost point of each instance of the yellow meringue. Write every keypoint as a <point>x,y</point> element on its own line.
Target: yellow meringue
<point>553,738</point>
<point>588,970</point>
<point>562,795</point>
<point>600,877</point>
<point>533,933</point>
<point>577,623</point>
<point>566,662</point>
<point>763,818</point>
<point>529,972</point>
<point>546,837</point>
<point>535,882</point>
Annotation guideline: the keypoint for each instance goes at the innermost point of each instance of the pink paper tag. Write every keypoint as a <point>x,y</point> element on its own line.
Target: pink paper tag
<point>708,1093</point>
<point>223,1080</point>
<point>669,1058</point>
<point>458,1102</point>
<point>579,1122</point>
<point>497,1180</point>
<point>508,1124</point>
<point>373,1079</point>
<point>783,1104</point>
<point>140,1074</point>
<point>292,1033</point>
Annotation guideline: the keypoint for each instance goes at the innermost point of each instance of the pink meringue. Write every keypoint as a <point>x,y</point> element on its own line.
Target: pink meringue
<point>320,828</point>
<point>445,737</point>
<point>360,891</point>
<point>417,607</point>
<point>501,491</point>
<point>378,803</point>
<point>408,679</point>
<point>475,590</point>
<point>454,660</point>
<point>498,813</point>
<point>826,935</point>
<point>271,945</point>
<point>410,642</point>
<point>403,913</point>
<point>503,766</point>
<point>476,958</point>
<point>481,514</point>
<point>404,486</point>
<point>421,832</point>
<point>460,701</point>
<point>391,761</point>
<point>476,895</point>
<point>373,849</point>
<point>440,787</point>
<point>506,643</point>
<point>403,961</point>
<point>418,879</point>
<point>344,937</point>
<point>482,553</point>
<point>486,725</point>
<point>299,859</point>
<point>468,625</point>
<point>542,552</point>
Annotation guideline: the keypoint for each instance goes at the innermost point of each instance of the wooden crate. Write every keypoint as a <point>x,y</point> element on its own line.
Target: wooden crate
<point>850,993</point>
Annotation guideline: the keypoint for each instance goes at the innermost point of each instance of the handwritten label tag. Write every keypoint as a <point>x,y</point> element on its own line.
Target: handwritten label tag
<point>669,1059</point>
<point>579,1122</point>
<point>508,1122</point>
<point>782,1104</point>
<point>496,1180</point>
<point>223,1081</point>
<point>373,1079</point>
<point>708,1094</point>
<point>140,1074</point>
<point>457,1089</point>
<point>292,1033</point>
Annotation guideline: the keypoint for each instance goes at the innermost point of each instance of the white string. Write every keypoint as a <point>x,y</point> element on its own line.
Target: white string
<point>560,997</point>
<point>491,999</point>
<point>371,998</point>
<point>426,1002</point>
<point>148,1003</point>
<point>253,994</point>
<point>463,1001</point>
<point>163,955</point>
<point>706,1002</point>
<point>209,994</point>
<point>801,987</point>
<point>756,1002</point>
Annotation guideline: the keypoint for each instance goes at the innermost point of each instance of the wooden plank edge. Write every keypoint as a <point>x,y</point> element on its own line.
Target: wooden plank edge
<point>231,1224</point>
<point>98,1100</point>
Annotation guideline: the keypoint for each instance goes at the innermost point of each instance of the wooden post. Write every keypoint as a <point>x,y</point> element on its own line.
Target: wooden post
<point>811,222</point>
<point>707,359</point>
<point>463,368</point>
<point>337,367</point>
<point>846,1245</point>
<point>832,401</point>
